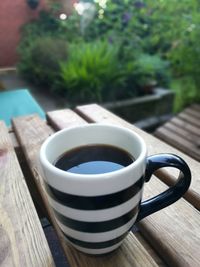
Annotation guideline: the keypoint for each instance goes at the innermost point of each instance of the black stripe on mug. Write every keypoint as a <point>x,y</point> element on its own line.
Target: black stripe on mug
<point>96,227</point>
<point>94,202</point>
<point>95,245</point>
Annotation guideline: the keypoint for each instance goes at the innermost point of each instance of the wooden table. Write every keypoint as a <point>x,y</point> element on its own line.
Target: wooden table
<point>170,237</point>
<point>183,131</point>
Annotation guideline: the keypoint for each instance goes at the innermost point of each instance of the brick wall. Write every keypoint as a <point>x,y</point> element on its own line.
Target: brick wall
<point>13,14</point>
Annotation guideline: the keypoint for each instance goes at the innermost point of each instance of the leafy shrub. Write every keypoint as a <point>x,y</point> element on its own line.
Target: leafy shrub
<point>118,24</point>
<point>92,72</point>
<point>150,70</point>
<point>118,53</point>
<point>46,25</point>
<point>186,92</point>
<point>170,30</point>
<point>178,35</point>
<point>40,61</point>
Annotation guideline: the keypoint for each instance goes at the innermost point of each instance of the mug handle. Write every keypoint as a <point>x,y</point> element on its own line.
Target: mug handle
<point>172,194</point>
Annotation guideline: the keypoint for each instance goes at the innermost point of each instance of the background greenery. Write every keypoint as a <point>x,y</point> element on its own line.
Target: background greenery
<point>115,50</point>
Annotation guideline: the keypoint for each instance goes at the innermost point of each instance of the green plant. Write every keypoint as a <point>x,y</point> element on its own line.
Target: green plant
<point>154,40</point>
<point>116,22</point>
<point>178,35</point>
<point>186,92</point>
<point>46,25</point>
<point>40,61</point>
<point>128,26</point>
<point>92,72</point>
<point>150,70</point>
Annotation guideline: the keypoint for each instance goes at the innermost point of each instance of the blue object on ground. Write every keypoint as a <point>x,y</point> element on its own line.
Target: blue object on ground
<point>18,103</point>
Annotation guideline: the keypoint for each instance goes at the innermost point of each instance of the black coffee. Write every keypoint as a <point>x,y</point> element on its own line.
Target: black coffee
<point>94,159</point>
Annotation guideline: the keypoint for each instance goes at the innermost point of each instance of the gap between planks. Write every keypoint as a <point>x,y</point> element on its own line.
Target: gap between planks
<point>182,131</point>
<point>169,136</point>
<point>186,126</point>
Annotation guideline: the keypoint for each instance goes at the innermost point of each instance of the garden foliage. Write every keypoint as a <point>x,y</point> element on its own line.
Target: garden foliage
<point>94,68</point>
<point>116,49</point>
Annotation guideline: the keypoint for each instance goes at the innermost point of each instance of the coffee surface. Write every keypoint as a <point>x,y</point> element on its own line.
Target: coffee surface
<point>94,159</point>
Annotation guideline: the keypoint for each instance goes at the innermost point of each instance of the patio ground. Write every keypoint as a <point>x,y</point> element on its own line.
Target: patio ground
<point>10,80</point>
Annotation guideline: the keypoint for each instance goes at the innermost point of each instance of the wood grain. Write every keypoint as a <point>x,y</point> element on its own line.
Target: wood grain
<point>189,118</point>
<point>186,126</point>
<point>183,132</point>
<point>31,132</point>
<point>22,240</point>
<point>61,119</point>
<point>167,133</point>
<point>170,231</point>
<point>192,112</point>
<point>174,231</point>
<point>192,137</point>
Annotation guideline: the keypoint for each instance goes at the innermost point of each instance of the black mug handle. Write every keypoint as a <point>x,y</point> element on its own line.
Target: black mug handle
<point>172,194</point>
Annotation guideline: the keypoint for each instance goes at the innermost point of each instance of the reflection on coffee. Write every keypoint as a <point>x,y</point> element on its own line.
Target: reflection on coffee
<point>94,159</point>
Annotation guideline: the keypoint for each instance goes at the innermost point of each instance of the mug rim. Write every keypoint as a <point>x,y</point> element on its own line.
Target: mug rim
<point>53,168</point>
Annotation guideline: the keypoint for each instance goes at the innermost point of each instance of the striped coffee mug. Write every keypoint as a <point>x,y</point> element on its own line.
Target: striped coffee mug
<point>95,212</point>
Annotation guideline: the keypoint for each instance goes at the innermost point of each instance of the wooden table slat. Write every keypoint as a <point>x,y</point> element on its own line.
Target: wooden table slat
<point>61,119</point>
<point>196,107</point>
<point>174,229</point>
<point>192,112</point>
<point>22,240</point>
<point>31,132</point>
<point>193,138</point>
<point>187,117</point>
<point>184,125</point>
<point>178,141</point>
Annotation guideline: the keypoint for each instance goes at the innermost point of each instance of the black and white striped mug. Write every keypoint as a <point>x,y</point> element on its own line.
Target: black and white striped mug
<point>95,212</point>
